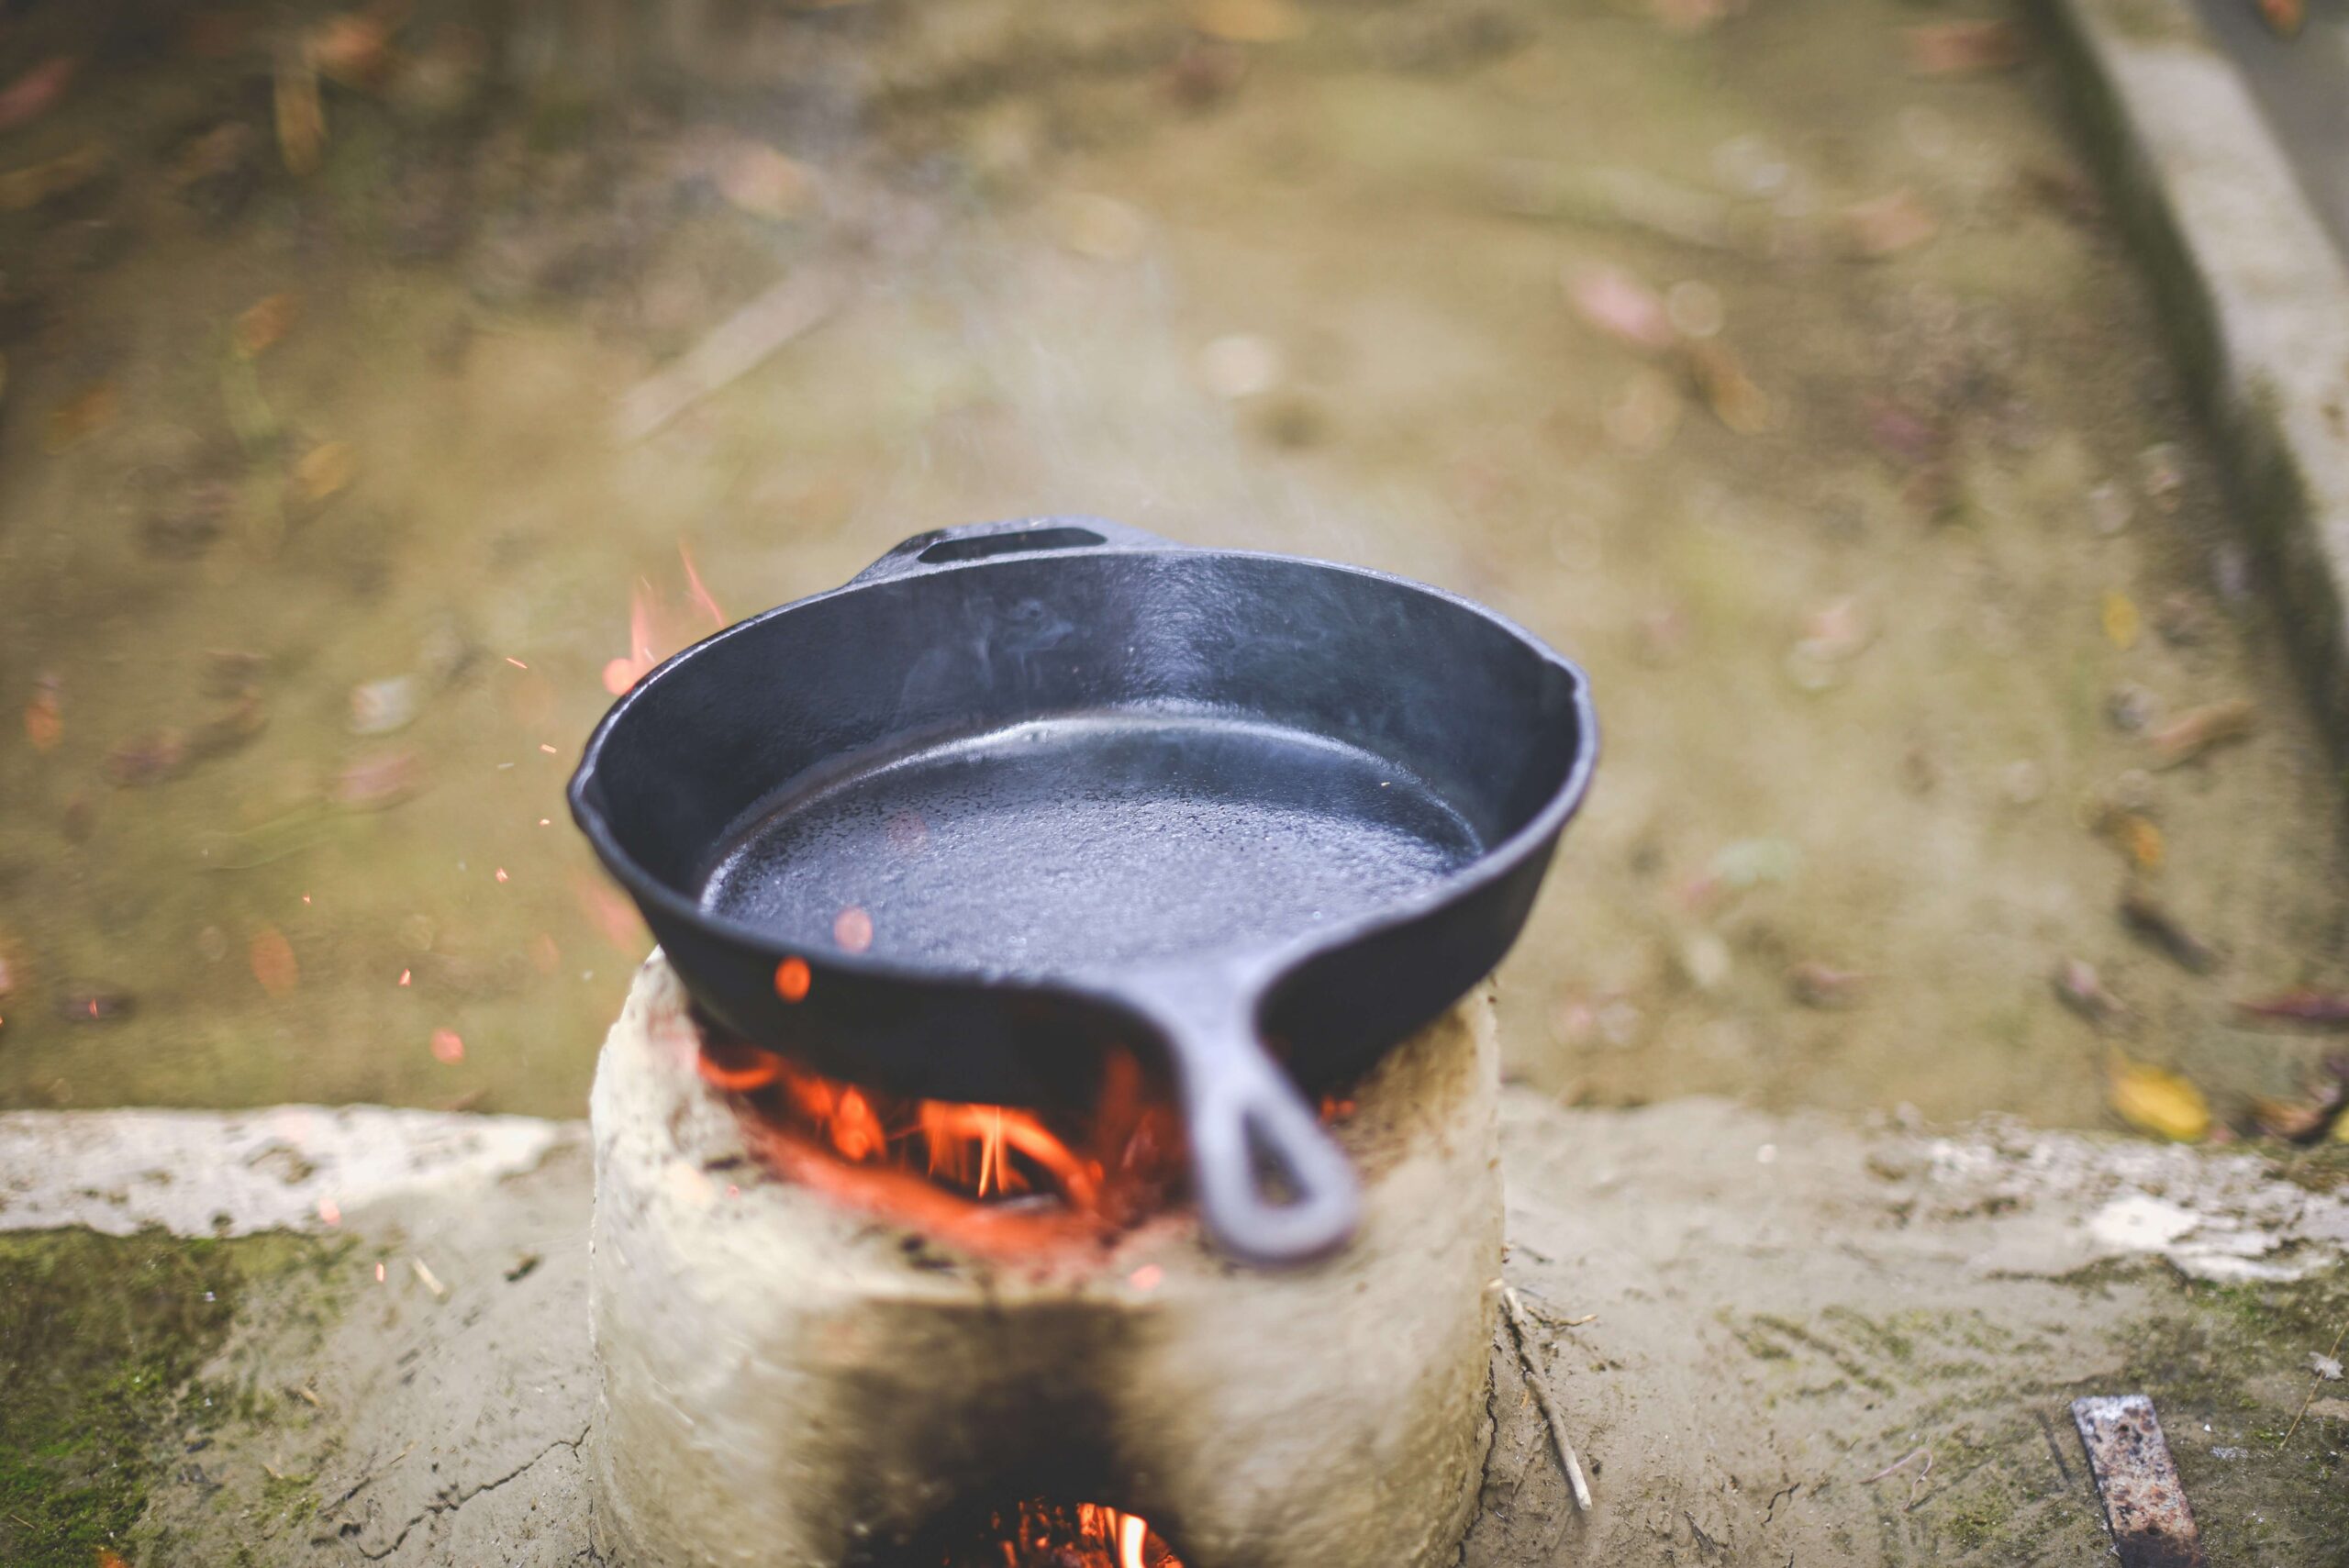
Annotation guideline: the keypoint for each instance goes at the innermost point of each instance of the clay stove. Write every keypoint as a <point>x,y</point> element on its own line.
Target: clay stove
<point>810,1371</point>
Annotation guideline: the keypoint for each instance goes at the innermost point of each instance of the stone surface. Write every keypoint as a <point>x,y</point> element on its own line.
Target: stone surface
<point>283,1167</point>
<point>2257,296</point>
<point>1784,1306</point>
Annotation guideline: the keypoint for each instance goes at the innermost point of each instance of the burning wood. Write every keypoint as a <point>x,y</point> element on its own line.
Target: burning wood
<point>1125,1163</point>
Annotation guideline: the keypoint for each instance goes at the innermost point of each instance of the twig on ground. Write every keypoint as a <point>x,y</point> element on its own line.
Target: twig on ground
<point>1901,1463</point>
<point>734,347</point>
<point>2315,1381</point>
<point>1566,1455</point>
<point>1916,1481</point>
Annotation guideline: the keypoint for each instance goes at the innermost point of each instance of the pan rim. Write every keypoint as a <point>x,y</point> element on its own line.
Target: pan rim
<point>1264,963</point>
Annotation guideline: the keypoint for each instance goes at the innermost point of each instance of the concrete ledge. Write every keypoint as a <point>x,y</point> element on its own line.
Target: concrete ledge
<point>237,1172</point>
<point>2255,294</point>
<point>1744,1316</point>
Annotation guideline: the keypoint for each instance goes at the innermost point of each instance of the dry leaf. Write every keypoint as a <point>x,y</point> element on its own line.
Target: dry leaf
<point>353,48</point>
<point>148,759</point>
<point>1247,21</point>
<point>221,150</point>
<point>1835,631</point>
<point>2118,612</point>
<point>1101,228</point>
<point>2144,915</point>
<point>2138,838</point>
<point>1888,225</point>
<point>1643,415</point>
<point>21,190</point>
<point>261,323</point>
<point>1816,985</point>
<point>2283,17</point>
<point>31,96</point>
<point>2323,1009</point>
<point>325,469</point>
<point>2152,1100</point>
<point>93,411</point>
<point>1962,49</point>
<point>2197,731</point>
<point>301,118</point>
<point>759,180</point>
<point>1619,305</point>
<point>272,958</point>
<point>1728,390</point>
<point>2306,1121</point>
<point>1688,18</point>
<point>245,717</point>
<point>45,714</point>
<point>2080,988</point>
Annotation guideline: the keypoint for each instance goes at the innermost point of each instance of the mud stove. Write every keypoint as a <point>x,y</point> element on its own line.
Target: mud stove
<point>834,1329</point>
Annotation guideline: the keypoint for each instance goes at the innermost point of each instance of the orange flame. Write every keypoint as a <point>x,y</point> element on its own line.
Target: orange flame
<point>977,1151</point>
<point>655,631</point>
<point>1087,1535</point>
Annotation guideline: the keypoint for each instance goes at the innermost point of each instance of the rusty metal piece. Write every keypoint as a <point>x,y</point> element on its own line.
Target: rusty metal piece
<point>2144,1502</point>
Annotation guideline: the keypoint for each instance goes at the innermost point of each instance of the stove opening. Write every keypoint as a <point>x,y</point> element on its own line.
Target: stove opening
<point>1040,1533</point>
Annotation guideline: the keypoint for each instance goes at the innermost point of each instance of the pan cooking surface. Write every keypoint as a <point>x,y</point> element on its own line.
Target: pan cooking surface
<point>1073,844</point>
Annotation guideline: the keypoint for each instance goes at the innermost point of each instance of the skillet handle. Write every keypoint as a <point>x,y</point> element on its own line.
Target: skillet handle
<point>1242,1113</point>
<point>1012,535</point>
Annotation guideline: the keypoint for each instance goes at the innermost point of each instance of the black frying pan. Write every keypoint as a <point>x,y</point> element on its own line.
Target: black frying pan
<point>1087,786</point>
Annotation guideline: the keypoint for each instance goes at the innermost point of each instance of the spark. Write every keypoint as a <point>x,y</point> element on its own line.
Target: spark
<point>516,662</point>
<point>547,749</point>
<point>403,975</point>
<point>329,1211</point>
<point>501,874</point>
<point>379,1274</point>
<point>1146,1277</point>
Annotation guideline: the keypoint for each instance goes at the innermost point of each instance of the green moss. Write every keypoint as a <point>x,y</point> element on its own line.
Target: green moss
<point>99,1336</point>
<point>2235,1357</point>
<point>1977,1521</point>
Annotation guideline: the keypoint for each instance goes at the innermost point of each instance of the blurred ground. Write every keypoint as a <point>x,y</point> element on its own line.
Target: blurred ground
<point>1763,1317</point>
<point>2301,80</point>
<point>1857,483</point>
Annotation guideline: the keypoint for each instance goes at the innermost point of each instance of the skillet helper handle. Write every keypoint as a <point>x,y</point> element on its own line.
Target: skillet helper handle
<point>1242,1115</point>
<point>1013,536</point>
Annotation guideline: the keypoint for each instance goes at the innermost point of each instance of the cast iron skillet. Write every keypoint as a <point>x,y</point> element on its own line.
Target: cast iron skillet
<point>1089,786</point>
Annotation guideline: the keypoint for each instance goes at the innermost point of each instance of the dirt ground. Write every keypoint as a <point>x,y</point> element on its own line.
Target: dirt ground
<point>1747,1321</point>
<point>1856,658</point>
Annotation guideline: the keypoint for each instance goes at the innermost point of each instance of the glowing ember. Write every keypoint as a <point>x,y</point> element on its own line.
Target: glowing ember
<point>1051,1535</point>
<point>655,630</point>
<point>447,1047</point>
<point>853,930</point>
<point>792,979</point>
<point>1122,1162</point>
